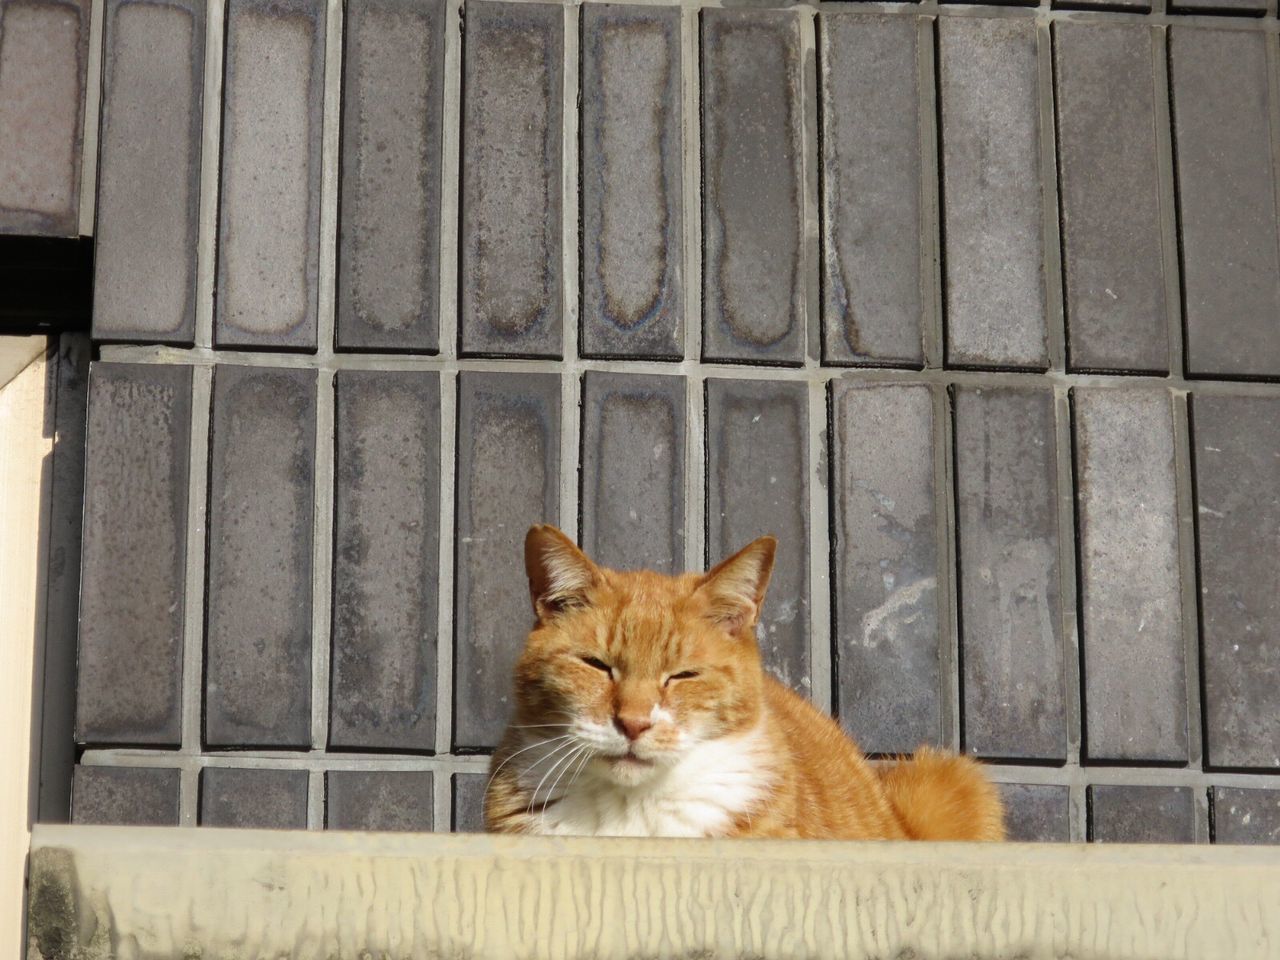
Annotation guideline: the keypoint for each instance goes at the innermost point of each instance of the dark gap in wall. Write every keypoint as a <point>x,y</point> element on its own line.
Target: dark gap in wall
<point>1177,231</point>
<point>954,492</point>
<point>46,285</point>
<point>833,632</point>
<point>1197,576</point>
<point>1075,533</point>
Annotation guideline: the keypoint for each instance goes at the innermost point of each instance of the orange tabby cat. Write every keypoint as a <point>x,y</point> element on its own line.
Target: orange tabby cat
<point>642,710</point>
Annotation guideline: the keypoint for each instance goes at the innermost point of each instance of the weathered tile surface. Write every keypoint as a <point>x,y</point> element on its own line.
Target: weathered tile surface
<point>1245,816</point>
<point>1036,813</point>
<point>1236,451</point>
<point>258,603</point>
<point>253,799</point>
<point>1226,189</point>
<point>633,470</point>
<point>132,598</point>
<point>632,208</point>
<point>508,479</point>
<point>994,291</point>
<point>386,560</point>
<point>468,802</point>
<point>753,186</point>
<point>1010,596</point>
<point>1111,245</point>
<point>510,276</point>
<point>872,304</point>
<point>125,796</point>
<point>399,800</point>
<point>1124,814</point>
<point>44,47</point>
<point>269,215</point>
<point>149,171</point>
<point>389,218</point>
<point>1135,677</point>
<point>757,484</point>
<point>885,575</point>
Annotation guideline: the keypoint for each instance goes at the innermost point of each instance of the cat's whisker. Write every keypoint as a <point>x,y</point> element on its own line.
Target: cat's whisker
<point>539,743</point>
<point>533,797</point>
<point>552,789</point>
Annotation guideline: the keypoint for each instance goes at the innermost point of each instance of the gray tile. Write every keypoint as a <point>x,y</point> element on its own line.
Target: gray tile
<point>269,215</point>
<point>253,799</point>
<point>1135,689</point>
<point>1246,816</point>
<point>149,171</point>
<point>1236,450</point>
<point>134,554</point>
<point>1010,596</point>
<point>994,291</point>
<point>753,177</point>
<point>1036,813</point>
<point>1123,814</point>
<point>386,536</point>
<point>1226,190</point>
<point>258,603</point>
<point>508,480</point>
<point>872,306</point>
<point>125,796</point>
<point>632,204</point>
<point>44,50</point>
<point>885,569</point>
<point>399,800</point>
<point>1111,246</point>
<point>758,483</point>
<point>389,215</point>
<point>633,470</point>
<point>510,271</point>
<point>468,802</point>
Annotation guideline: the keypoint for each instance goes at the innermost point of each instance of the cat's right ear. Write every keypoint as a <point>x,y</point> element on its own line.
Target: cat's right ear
<point>735,587</point>
<point>560,575</point>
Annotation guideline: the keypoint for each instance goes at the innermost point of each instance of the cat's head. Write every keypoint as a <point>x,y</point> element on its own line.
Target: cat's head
<point>637,667</point>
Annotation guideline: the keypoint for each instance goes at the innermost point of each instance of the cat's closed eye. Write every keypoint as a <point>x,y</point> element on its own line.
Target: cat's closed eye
<point>598,664</point>
<point>682,675</point>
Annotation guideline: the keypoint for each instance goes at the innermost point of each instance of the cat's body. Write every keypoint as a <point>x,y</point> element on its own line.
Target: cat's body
<point>643,710</point>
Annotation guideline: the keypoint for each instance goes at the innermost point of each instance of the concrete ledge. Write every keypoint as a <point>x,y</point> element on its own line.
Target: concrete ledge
<point>98,892</point>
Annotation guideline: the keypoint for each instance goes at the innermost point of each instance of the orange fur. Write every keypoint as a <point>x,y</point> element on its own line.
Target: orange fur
<point>632,685</point>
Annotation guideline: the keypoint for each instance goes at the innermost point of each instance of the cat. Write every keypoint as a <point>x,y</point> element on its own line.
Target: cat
<point>643,709</point>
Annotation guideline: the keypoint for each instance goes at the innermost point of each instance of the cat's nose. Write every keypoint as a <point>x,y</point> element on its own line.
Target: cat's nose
<point>632,726</point>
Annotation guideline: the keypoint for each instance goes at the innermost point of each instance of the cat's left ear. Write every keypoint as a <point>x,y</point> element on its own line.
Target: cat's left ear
<point>559,573</point>
<point>735,587</point>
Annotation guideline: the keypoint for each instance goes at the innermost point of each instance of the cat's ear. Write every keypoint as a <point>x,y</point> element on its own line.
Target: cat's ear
<point>735,587</point>
<point>559,573</point>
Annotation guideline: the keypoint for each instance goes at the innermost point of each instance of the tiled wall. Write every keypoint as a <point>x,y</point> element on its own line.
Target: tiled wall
<point>977,309</point>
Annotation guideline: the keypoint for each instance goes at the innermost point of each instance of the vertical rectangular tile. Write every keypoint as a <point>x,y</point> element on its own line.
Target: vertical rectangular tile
<point>389,207</point>
<point>1124,814</point>
<point>1236,451</point>
<point>44,50</point>
<point>991,191</point>
<point>1245,816</point>
<point>508,480</point>
<point>1111,246</point>
<point>132,601</point>
<point>754,271</point>
<point>632,206</point>
<point>253,799</point>
<point>149,171</point>
<point>125,796</point>
<point>386,535</point>
<point>1010,596</point>
<point>1135,687</point>
<point>269,216</point>
<point>1036,813</point>
<point>872,305</point>
<point>757,484</point>
<point>1226,192</point>
<point>633,470</point>
<point>258,602</point>
<point>511,283</point>
<point>885,549</point>
<point>386,800</point>
<point>468,802</point>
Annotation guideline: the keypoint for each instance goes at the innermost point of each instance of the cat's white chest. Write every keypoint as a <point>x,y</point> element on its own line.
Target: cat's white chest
<point>701,796</point>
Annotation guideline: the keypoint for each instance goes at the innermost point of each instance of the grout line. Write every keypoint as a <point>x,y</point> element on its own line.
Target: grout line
<point>695,454</point>
<point>1167,198</point>
<point>450,187</point>
<point>210,147</point>
<point>948,569</point>
<point>1201,830</point>
<point>1186,507</point>
<point>442,800</point>
<point>931,252</point>
<point>1051,268</point>
<point>570,375</point>
<point>90,119</point>
<point>445,598</point>
<point>315,799</point>
<point>1068,588</point>
<point>821,639</point>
